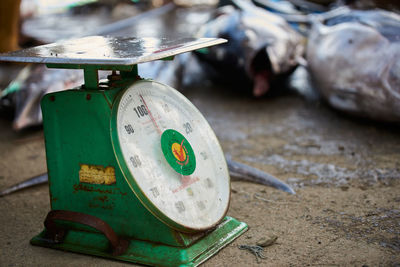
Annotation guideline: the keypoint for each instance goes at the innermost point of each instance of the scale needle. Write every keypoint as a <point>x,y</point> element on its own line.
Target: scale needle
<point>151,116</point>
<point>186,180</point>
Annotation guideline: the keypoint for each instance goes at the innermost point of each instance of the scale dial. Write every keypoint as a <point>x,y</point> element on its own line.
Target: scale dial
<point>170,156</point>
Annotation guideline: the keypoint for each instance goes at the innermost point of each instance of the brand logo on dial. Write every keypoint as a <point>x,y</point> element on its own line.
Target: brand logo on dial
<point>178,152</point>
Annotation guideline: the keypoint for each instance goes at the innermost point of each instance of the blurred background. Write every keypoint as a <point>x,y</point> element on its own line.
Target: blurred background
<point>308,91</point>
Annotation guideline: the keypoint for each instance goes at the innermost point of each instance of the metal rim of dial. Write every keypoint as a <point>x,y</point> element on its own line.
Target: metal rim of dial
<point>141,114</point>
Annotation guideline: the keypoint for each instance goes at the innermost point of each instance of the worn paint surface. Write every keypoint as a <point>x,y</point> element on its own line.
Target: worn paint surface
<point>71,141</point>
<point>84,177</point>
<point>345,172</point>
<point>97,174</point>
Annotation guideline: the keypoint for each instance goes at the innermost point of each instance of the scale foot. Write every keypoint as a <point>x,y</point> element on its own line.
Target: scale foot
<point>146,252</point>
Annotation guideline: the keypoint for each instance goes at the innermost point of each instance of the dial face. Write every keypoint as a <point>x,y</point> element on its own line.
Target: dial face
<point>170,156</point>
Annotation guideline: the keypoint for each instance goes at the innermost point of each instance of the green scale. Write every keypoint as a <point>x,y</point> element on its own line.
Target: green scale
<point>135,171</point>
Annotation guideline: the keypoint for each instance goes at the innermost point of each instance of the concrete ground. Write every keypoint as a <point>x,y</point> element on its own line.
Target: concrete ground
<point>345,172</point>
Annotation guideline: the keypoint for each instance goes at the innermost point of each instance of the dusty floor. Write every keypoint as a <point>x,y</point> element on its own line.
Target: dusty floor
<point>346,174</point>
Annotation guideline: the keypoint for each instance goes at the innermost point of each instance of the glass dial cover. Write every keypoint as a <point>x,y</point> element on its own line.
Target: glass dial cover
<point>170,156</point>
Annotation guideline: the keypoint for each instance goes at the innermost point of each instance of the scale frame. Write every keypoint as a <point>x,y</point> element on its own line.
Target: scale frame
<point>77,133</point>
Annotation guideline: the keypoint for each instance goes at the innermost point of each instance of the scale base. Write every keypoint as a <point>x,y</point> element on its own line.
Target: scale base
<point>149,253</point>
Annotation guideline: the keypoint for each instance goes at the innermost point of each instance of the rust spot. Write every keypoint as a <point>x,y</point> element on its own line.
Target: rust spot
<point>89,188</point>
<point>52,98</point>
<point>179,237</point>
<point>102,198</point>
<point>88,96</point>
<point>102,202</point>
<point>96,205</point>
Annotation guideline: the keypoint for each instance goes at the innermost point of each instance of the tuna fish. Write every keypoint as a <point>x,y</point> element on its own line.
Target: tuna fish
<point>237,170</point>
<point>32,83</point>
<point>354,61</point>
<point>262,47</point>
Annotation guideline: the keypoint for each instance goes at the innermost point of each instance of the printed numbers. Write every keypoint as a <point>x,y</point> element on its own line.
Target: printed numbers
<point>204,155</point>
<point>136,161</point>
<point>141,111</point>
<point>179,206</point>
<point>201,205</point>
<point>188,128</point>
<point>155,192</point>
<point>166,108</point>
<point>129,129</point>
<point>209,183</point>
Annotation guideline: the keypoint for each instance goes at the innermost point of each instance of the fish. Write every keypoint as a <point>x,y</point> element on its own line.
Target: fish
<point>354,62</point>
<point>33,82</point>
<point>236,169</point>
<point>24,93</point>
<point>245,172</point>
<point>262,48</point>
<point>36,180</point>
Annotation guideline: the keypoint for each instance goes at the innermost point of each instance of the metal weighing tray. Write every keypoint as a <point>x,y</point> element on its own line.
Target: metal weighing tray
<point>100,50</point>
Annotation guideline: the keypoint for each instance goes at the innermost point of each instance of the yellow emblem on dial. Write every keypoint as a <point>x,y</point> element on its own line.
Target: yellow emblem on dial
<point>178,150</point>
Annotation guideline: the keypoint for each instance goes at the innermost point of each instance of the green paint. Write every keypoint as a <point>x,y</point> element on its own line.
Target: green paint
<point>178,152</point>
<point>91,77</point>
<point>90,72</point>
<point>79,127</point>
<point>80,134</point>
<point>149,253</point>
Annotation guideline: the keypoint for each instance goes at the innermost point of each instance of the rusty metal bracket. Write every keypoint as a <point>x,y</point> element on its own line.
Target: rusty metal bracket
<point>57,232</point>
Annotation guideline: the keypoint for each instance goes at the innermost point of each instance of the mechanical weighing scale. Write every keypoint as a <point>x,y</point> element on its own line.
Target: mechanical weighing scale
<point>135,171</point>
